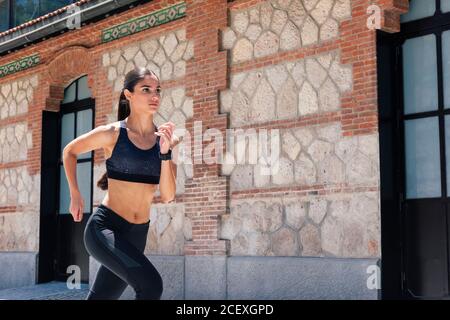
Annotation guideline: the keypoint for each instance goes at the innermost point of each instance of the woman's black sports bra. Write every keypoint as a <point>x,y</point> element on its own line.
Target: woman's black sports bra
<point>130,163</point>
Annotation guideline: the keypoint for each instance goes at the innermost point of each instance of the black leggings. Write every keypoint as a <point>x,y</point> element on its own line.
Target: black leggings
<point>119,246</point>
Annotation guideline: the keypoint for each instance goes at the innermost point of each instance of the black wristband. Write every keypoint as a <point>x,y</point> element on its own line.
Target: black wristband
<point>166,156</point>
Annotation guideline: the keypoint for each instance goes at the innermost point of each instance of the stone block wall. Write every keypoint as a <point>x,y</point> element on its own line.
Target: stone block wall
<point>287,90</point>
<point>272,26</point>
<point>291,72</point>
<point>311,156</point>
<point>340,225</point>
<point>16,96</point>
<point>19,189</point>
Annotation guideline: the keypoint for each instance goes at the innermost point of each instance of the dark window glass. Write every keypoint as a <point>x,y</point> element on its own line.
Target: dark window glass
<point>4,15</point>
<point>26,10</point>
<point>49,6</point>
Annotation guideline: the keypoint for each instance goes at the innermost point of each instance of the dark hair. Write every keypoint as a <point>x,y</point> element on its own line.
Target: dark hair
<point>131,79</point>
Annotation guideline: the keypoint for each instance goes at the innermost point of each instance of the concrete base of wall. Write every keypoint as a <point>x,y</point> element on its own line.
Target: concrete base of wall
<point>18,269</point>
<point>234,278</point>
<point>299,278</point>
<point>261,278</point>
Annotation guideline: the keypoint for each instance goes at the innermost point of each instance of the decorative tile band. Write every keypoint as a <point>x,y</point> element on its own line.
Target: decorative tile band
<point>19,65</point>
<point>153,19</point>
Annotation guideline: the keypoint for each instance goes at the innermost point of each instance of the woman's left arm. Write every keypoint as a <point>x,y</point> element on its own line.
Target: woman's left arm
<point>167,181</point>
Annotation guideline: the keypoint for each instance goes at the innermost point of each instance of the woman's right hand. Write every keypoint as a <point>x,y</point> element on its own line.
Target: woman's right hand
<point>76,206</point>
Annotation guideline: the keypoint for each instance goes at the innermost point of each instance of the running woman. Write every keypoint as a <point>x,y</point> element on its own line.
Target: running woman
<point>138,160</point>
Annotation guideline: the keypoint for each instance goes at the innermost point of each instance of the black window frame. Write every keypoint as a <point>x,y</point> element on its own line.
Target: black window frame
<point>435,25</point>
<point>393,197</point>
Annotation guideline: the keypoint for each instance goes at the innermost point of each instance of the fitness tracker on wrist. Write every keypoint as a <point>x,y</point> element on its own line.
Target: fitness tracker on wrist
<point>166,156</point>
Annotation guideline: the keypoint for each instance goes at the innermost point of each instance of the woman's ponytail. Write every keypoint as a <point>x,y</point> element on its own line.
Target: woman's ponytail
<point>122,113</point>
<point>124,107</point>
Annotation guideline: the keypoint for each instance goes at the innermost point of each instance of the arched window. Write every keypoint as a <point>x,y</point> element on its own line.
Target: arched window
<point>77,118</point>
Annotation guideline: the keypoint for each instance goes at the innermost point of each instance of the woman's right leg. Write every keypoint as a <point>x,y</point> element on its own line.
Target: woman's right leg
<point>106,286</point>
<point>119,245</point>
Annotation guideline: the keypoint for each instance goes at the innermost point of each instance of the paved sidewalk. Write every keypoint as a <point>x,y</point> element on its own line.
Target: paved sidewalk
<point>45,291</point>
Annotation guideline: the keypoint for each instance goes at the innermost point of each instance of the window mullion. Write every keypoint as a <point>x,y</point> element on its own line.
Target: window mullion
<point>11,13</point>
<point>441,113</point>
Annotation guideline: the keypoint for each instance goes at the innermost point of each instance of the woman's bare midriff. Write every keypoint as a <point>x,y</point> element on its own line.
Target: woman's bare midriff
<point>131,200</point>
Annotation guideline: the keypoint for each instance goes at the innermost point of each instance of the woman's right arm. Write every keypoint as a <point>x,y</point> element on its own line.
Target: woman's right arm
<point>97,138</point>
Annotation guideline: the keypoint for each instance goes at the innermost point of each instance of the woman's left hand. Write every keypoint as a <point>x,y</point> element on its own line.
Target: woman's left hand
<point>165,132</point>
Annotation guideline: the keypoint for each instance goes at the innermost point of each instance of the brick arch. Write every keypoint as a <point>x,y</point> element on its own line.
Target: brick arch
<point>66,66</point>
